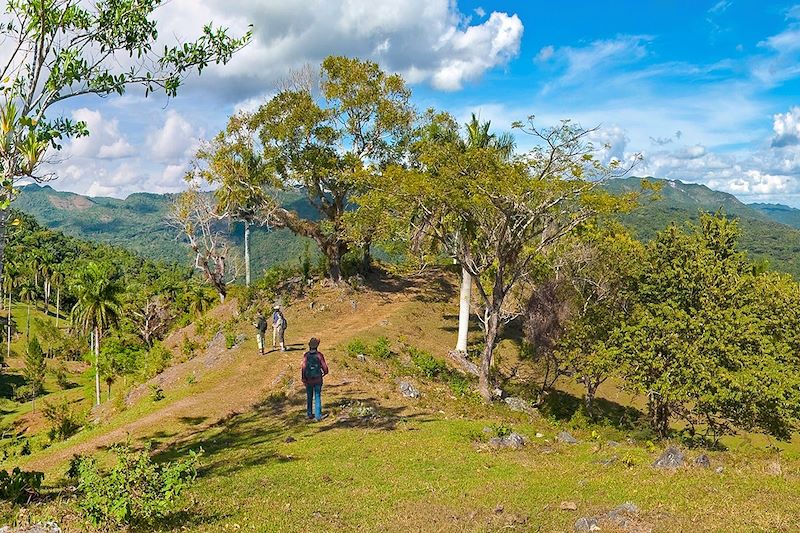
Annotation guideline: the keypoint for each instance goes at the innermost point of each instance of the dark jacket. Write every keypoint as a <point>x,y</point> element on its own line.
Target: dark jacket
<point>313,380</point>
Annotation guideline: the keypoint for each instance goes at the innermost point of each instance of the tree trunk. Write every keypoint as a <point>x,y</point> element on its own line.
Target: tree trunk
<point>3,224</point>
<point>247,253</point>
<point>588,399</point>
<point>58,304</point>
<point>97,364</point>
<point>492,329</point>
<point>366,257</point>
<point>8,344</point>
<point>334,251</point>
<point>28,323</point>
<point>463,310</point>
<point>46,297</point>
<point>658,413</point>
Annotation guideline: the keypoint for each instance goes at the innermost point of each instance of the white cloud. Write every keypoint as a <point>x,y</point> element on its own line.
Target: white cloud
<point>426,40</point>
<point>786,127</point>
<point>104,140</point>
<point>545,53</point>
<point>580,64</point>
<point>175,140</point>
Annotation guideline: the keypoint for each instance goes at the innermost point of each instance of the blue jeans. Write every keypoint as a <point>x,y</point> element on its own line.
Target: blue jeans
<point>314,392</point>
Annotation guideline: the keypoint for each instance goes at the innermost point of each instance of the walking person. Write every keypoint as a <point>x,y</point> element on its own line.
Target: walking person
<point>313,369</point>
<point>261,330</point>
<point>278,328</point>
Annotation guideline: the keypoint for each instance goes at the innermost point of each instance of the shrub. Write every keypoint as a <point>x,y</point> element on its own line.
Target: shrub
<point>60,375</point>
<point>156,393</point>
<point>501,430</point>
<point>19,486</point>
<point>64,422</point>
<point>356,347</point>
<point>430,366</point>
<point>135,491</point>
<point>188,347</point>
<point>382,348</point>
<point>155,361</point>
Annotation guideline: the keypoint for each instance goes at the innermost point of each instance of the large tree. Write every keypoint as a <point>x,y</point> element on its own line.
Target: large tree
<point>330,141</point>
<point>55,50</point>
<point>232,163</point>
<point>500,214</point>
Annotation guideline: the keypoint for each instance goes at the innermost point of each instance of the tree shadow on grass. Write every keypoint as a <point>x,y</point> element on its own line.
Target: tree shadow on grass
<point>8,383</point>
<point>562,407</point>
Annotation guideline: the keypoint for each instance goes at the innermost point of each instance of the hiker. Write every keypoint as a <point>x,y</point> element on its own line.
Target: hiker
<point>261,330</point>
<point>313,369</point>
<point>278,327</point>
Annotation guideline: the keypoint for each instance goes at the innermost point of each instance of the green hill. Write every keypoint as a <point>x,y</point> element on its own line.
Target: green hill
<point>780,213</point>
<point>139,224</point>
<point>769,232</point>
<point>764,235</point>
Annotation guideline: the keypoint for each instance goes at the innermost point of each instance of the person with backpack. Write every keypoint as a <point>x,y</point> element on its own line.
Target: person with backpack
<point>261,329</point>
<point>312,370</point>
<point>278,327</point>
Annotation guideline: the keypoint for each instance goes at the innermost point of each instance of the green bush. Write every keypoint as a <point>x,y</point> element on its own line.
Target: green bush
<point>382,349</point>
<point>64,422</point>
<point>136,491</point>
<point>156,393</point>
<point>356,347</point>
<point>430,366</point>
<point>19,486</point>
<point>61,377</point>
<point>155,361</point>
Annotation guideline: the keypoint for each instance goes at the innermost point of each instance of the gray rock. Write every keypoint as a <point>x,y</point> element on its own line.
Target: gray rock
<point>671,458</point>
<point>514,441</point>
<point>719,469</point>
<point>518,404</point>
<point>703,461</point>
<point>609,461</point>
<point>622,515</point>
<point>408,390</point>
<point>361,357</point>
<point>41,527</point>
<point>587,523</point>
<point>613,443</point>
<point>566,438</point>
<point>487,429</point>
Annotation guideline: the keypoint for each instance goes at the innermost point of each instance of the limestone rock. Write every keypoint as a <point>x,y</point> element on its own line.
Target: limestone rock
<point>671,459</point>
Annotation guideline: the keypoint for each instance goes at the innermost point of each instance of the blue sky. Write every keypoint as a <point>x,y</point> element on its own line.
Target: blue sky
<point>706,92</point>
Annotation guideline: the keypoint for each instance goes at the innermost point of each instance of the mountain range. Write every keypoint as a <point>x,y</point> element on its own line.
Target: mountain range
<point>770,232</point>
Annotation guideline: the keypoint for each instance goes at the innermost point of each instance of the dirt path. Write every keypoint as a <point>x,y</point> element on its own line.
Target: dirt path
<point>246,377</point>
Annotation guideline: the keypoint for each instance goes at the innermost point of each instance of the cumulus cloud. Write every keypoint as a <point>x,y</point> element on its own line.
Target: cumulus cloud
<point>426,40</point>
<point>787,128</point>
<point>176,139</point>
<point>104,140</point>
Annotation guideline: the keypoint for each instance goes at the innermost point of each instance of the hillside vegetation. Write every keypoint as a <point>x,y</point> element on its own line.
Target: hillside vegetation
<point>425,463</point>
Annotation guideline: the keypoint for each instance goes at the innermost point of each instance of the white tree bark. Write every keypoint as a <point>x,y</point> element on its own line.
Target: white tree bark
<point>97,364</point>
<point>247,253</point>
<point>464,310</point>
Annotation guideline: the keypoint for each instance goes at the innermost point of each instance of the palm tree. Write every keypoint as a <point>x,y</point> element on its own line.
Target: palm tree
<point>10,278</point>
<point>478,137</point>
<point>199,300</point>
<point>97,308</point>
<point>57,280</point>
<point>27,293</point>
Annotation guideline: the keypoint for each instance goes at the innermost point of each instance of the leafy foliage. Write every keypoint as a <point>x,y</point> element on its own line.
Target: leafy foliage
<point>19,486</point>
<point>135,491</point>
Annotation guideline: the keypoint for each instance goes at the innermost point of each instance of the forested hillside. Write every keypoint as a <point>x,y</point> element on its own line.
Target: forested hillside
<point>769,232</point>
<point>139,223</point>
<point>765,235</point>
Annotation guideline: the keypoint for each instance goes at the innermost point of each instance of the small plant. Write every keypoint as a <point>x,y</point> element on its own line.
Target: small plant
<point>430,366</point>
<point>64,422</point>
<point>230,340</point>
<point>191,379</point>
<point>382,348</point>
<point>501,430</point>
<point>188,347</point>
<point>356,347</point>
<point>136,491</point>
<point>156,393</point>
<point>155,361</point>
<point>61,376</point>
<point>20,486</point>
